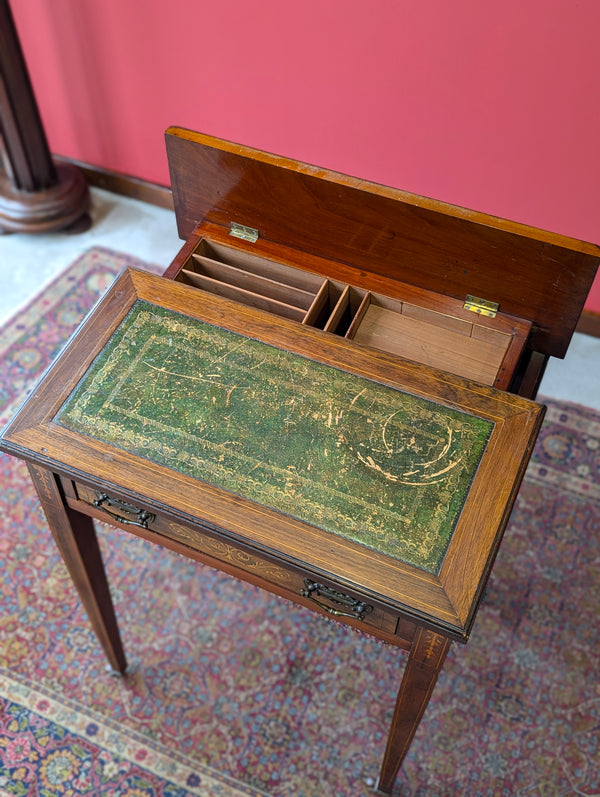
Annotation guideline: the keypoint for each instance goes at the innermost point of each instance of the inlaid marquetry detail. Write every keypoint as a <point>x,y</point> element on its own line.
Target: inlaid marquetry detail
<point>44,482</point>
<point>434,647</point>
<point>229,553</point>
<point>207,544</point>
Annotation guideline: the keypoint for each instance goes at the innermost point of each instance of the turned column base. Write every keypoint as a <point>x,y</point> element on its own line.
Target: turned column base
<point>63,206</point>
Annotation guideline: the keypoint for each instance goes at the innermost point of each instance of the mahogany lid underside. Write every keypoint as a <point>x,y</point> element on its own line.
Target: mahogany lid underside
<point>532,274</point>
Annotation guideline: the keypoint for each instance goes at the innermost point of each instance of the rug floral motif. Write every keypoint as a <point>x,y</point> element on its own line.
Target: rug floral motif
<point>233,691</point>
<point>50,745</point>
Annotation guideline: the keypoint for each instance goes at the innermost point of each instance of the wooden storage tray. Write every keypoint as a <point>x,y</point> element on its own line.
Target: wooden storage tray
<point>462,347</point>
<point>412,323</point>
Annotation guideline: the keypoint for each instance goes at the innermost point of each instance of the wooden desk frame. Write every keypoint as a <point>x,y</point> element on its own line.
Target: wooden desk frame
<point>417,611</point>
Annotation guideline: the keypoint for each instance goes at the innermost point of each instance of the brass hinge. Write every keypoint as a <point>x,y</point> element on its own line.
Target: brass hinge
<point>243,232</point>
<point>481,306</point>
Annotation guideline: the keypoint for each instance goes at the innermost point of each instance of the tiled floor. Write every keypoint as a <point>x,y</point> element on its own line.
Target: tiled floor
<point>27,262</point>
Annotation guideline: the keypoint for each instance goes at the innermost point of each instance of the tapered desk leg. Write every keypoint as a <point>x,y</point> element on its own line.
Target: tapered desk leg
<point>425,661</point>
<point>75,537</point>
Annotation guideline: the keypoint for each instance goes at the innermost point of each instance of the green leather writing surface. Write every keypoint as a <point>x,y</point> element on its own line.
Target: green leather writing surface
<point>382,467</point>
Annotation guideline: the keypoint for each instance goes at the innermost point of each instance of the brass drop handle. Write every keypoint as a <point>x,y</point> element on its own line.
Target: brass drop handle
<point>348,606</point>
<point>142,516</point>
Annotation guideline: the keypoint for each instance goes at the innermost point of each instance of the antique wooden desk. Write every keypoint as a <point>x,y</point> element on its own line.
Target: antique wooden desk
<point>307,401</point>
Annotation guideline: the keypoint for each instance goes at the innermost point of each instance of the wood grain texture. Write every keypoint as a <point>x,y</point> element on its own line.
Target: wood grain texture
<point>531,273</point>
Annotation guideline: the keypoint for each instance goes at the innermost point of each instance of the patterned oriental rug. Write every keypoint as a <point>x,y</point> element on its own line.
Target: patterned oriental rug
<point>234,692</point>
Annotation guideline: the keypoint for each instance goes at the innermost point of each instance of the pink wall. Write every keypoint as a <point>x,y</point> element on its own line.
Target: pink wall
<point>493,106</point>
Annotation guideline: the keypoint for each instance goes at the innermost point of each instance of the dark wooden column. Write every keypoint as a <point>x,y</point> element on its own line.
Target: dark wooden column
<point>36,195</point>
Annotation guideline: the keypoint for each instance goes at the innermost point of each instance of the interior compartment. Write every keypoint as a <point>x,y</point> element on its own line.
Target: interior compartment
<point>345,310</point>
<point>334,311</point>
<point>447,341</point>
<point>451,344</point>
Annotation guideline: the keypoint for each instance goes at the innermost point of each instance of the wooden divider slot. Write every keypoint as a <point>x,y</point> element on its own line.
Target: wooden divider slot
<point>261,266</point>
<point>249,298</point>
<point>444,337</point>
<point>345,311</point>
<point>319,307</point>
<point>253,280</point>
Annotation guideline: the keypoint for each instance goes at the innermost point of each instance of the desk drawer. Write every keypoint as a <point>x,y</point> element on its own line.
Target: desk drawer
<point>292,582</point>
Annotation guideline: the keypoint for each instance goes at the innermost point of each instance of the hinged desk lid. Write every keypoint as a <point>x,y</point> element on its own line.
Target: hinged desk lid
<point>530,273</point>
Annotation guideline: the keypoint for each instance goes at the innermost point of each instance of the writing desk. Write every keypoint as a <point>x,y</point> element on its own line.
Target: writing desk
<point>301,423</point>
<point>343,479</point>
